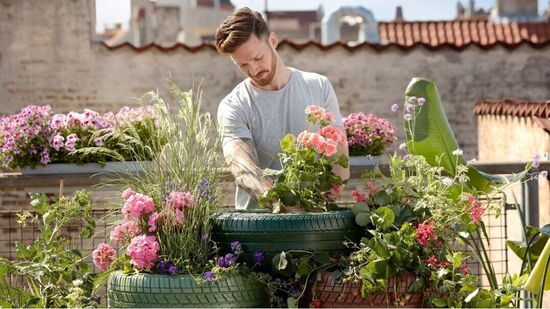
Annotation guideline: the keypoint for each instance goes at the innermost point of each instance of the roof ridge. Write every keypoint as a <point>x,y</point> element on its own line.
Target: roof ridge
<point>513,107</point>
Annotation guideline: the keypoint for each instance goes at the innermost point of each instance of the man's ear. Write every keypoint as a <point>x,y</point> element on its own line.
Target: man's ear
<point>273,40</point>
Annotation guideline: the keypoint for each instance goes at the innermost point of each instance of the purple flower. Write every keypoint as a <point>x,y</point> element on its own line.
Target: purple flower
<point>394,107</point>
<point>99,142</point>
<point>409,107</point>
<point>231,259</point>
<point>172,270</point>
<point>209,276</point>
<point>222,262</point>
<point>407,158</point>
<point>57,142</point>
<point>44,157</point>
<point>421,101</point>
<point>544,174</point>
<point>162,266</point>
<point>236,247</point>
<point>259,256</point>
<point>407,117</point>
<point>205,237</point>
<point>536,160</point>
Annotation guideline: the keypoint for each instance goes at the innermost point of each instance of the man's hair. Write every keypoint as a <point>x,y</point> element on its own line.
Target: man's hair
<point>237,28</point>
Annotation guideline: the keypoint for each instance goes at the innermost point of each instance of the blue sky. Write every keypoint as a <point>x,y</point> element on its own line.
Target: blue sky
<point>109,12</point>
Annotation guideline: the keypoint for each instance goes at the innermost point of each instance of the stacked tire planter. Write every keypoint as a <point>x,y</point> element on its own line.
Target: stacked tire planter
<point>331,294</point>
<point>273,233</point>
<point>153,291</point>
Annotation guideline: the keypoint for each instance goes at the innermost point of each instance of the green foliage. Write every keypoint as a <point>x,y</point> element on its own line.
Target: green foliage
<point>306,178</point>
<point>55,275</point>
<point>430,135</point>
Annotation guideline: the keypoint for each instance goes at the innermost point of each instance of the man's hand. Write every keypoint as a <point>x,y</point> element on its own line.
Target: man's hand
<point>343,172</point>
<point>242,158</point>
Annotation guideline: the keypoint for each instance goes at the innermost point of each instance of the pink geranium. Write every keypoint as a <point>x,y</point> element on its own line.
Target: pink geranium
<point>318,115</point>
<point>103,256</point>
<point>152,222</point>
<point>138,204</point>
<point>124,232</point>
<point>180,200</point>
<point>143,251</point>
<point>127,193</point>
<point>424,233</point>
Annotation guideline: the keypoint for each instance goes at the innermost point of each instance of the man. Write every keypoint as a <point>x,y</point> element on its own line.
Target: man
<point>266,106</point>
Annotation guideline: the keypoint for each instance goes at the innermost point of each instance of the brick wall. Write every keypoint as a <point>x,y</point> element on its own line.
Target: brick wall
<point>47,56</point>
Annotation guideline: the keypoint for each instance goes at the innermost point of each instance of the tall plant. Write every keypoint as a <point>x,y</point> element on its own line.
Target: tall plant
<point>187,160</point>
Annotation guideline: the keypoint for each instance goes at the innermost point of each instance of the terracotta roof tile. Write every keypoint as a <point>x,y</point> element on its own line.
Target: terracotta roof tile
<point>459,33</point>
<point>433,35</point>
<point>516,108</point>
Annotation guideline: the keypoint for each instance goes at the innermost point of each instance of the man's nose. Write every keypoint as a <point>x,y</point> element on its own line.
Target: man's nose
<point>253,69</point>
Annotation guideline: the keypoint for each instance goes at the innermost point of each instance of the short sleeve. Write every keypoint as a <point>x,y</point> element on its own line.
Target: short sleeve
<point>232,122</point>
<point>331,102</point>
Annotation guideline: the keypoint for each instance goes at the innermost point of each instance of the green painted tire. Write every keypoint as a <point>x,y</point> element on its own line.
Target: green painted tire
<point>150,290</point>
<point>273,233</point>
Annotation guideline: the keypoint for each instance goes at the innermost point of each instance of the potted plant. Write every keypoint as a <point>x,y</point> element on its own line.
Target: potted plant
<point>368,136</point>
<point>47,273</point>
<point>38,142</point>
<point>165,249</point>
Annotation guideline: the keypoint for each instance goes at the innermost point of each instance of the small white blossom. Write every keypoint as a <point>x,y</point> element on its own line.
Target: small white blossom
<point>457,152</point>
<point>472,161</point>
<point>463,178</point>
<point>403,146</point>
<point>77,282</point>
<point>447,181</point>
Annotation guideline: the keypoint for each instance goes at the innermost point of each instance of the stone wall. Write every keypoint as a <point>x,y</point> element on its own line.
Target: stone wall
<point>48,56</point>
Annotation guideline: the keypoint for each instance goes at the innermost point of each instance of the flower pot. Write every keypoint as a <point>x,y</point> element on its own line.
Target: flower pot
<point>88,168</point>
<point>331,294</point>
<point>148,290</point>
<point>273,233</point>
<point>364,160</point>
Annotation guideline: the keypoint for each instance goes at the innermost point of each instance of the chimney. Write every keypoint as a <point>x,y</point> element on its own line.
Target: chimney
<point>460,10</point>
<point>399,14</point>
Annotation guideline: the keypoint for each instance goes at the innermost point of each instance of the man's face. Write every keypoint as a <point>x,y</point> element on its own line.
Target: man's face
<point>256,59</point>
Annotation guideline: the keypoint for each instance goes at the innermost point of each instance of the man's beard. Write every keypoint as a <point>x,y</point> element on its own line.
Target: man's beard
<point>269,75</point>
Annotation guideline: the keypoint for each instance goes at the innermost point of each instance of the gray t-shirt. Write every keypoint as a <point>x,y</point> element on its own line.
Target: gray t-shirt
<point>265,117</point>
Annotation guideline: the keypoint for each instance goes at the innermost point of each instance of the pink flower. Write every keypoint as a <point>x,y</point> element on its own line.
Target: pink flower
<point>333,133</point>
<point>58,121</point>
<point>180,216</point>
<point>443,264</point>
<point>138,204</point>
<point>103,256</point>
<point>432,261</point>
<point>464,268</point>
<point>127,193</point>
<point>143,251</point>
<point>45,157</point>
<point>358,196</point>
<point>152,222</point>
<point>424,232</point>
<point>125,232</point>
<point>394,107</point>
<point>57,142</point>
<point>181,200</point>
<point>476,213</point>
<point>318,115</point>
<point>330,148</point>
<point>371,187</point>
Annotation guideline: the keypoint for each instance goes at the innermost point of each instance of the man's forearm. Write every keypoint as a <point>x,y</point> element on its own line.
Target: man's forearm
<point>243,162</point>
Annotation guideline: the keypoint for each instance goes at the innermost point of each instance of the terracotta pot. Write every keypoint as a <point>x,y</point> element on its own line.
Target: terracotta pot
<point>331,294</point>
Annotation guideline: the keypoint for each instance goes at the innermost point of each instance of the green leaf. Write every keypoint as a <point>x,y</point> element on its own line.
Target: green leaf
<point>292,302</point>
<point>87,232</point>
<point>304,266</point>
<point>382,198</point>
<point>545,230</point>
<point>439,302</point>
<point>321,258</point>
<point>431,136</point>
<point>360,207</point>
<point>362,219</point>
<point>288,142</point>
<point>383,217</point>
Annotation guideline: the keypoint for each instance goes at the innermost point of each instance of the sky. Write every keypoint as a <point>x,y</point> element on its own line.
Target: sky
<point>109,12</point>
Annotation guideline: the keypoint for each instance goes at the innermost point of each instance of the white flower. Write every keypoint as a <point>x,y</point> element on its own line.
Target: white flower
<point>447,181</point>
<point>403,146</point>
<point>472,161</point>
<point>463,178</point>
<point>457,152</point>
<point>77,282</point>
